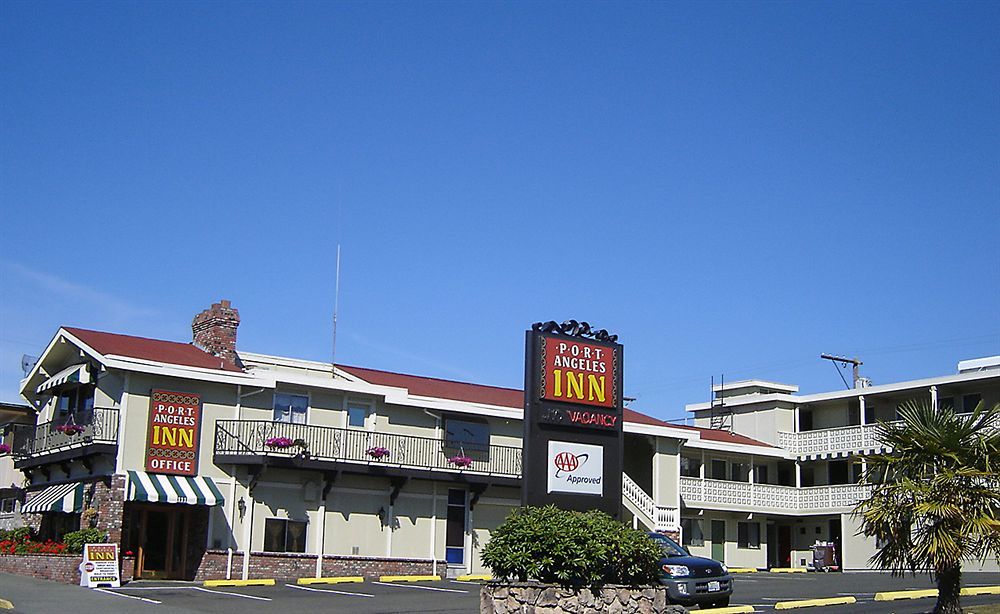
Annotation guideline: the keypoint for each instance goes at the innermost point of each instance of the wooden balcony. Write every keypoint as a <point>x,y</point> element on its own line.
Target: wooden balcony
<point>360,451</point>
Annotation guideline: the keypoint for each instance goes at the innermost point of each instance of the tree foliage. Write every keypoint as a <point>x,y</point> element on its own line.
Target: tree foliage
<point>570,548</point>
<point>935,494</point>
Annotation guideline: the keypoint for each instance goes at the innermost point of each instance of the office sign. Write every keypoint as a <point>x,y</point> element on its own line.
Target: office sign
<point>173,434</point>
<point>576,468</point>
<point>572,418</point>
<point>100,566</point>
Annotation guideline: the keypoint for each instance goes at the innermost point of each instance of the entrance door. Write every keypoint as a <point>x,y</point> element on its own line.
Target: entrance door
<point>784,546</point>
<point>162,542</point>
<point>838,542</point>
<point>719,540</point>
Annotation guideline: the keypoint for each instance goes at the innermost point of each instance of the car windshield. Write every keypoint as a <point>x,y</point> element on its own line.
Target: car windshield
<point>669,546</point>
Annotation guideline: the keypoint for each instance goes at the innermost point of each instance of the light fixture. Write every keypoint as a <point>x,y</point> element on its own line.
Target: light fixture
<point>242,506</point>
<point>381,515</point>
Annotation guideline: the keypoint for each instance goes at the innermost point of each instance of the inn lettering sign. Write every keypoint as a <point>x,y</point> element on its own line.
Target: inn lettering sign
<point>573,417</point>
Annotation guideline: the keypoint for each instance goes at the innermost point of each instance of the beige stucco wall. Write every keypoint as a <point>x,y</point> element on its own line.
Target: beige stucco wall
<point>734,555</point>
<point>666,472</point>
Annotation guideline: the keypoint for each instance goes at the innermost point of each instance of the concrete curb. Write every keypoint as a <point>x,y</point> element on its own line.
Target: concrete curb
<point>898,595</point>
<point>787,570</point>
<point>483,577</point>
<point>331,580</point>
<point>255,582</point>
<point>814,603</point>
<point>733,609</point>
<point>6,605</point>
<point>743,570</point>
<point>408,578</point>
<point>981,590</point>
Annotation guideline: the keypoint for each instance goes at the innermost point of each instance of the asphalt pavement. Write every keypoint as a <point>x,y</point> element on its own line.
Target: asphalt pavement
<point>761,590</point>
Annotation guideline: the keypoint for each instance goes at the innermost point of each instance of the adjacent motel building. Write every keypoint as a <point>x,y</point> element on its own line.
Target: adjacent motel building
<point>203,462</point>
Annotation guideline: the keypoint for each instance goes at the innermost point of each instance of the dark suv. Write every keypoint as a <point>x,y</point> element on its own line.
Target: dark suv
<point>690,579</point>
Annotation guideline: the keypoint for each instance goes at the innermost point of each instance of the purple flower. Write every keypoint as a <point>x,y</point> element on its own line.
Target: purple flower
<point>278,442</point>
<point>378,452</point>
<point>460,461</point>
<point>4,448</point>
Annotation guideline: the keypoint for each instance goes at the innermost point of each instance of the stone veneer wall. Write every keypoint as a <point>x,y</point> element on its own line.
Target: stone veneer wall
<point>56,567</point>
<point>287,566</point>
<point>534,598</point>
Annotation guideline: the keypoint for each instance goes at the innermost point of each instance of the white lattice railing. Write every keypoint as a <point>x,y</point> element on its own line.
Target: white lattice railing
<point>847,439</point>
<point>657,517</point>
<point>743,495</point>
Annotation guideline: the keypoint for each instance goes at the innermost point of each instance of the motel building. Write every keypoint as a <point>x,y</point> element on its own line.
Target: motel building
<point>208,463</point>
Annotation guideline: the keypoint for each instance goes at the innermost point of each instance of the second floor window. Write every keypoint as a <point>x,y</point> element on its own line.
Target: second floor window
<point>290,408</point>
<point>356,415</point>
<point>467,437</point>
<point>76,400</point>
<point>690,467</point>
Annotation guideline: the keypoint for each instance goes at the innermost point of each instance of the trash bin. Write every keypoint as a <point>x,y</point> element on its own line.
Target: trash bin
<point>825,556</point>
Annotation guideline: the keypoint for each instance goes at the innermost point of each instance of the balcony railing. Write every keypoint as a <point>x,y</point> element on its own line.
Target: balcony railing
<point>836,441</point>
<point>249,438</point>
<point>742,495</point>
<point>98,426</point>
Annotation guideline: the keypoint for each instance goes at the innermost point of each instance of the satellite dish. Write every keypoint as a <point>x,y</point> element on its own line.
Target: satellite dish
<point>28,363</point>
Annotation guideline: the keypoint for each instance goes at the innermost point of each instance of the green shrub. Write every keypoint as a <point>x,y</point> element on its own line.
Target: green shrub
<point>75,540</point>
<point>570,548</point>
<point>19,534</point>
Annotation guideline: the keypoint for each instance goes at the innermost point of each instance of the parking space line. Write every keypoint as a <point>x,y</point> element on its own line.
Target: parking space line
<point>107,592</point>
<point>153,588</point>
<point>328,590</point>
<point>424,588</point>
<point>205,590</point>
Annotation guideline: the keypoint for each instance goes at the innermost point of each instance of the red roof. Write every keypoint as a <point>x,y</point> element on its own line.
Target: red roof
<point>509,397</point>
<point>170,352</point>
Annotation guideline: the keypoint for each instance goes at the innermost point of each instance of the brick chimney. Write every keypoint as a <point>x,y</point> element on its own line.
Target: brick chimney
<point>214,330</point>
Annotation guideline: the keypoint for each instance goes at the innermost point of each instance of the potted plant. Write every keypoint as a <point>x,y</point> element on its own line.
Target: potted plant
<point>377,452</point>
<point>460,460</point>
<point>4,448</point>
<point>278,443</point>
<point>70,429</point>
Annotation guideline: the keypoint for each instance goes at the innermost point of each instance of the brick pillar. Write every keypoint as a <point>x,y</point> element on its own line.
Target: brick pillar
<point>108,503</point>
<point>214,330</point>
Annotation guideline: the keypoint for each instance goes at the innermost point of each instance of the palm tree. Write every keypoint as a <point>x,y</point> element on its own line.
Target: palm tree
<point>935,495</point>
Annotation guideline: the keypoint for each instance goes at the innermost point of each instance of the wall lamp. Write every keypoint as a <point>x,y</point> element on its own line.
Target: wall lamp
<point>242,506</point>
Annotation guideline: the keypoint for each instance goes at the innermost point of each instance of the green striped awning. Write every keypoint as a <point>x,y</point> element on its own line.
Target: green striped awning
<point>74,374</point>
<point>58,498</point>
<point>156,488</point>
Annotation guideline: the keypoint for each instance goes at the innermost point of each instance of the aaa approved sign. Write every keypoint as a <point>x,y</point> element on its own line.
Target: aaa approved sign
<point>575,468</point>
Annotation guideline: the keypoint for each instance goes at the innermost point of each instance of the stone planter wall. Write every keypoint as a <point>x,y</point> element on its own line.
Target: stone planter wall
<point>535,598</point>
<point>290,566</point>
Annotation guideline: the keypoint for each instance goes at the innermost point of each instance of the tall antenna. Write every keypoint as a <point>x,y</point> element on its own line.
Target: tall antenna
<point>336,308</point>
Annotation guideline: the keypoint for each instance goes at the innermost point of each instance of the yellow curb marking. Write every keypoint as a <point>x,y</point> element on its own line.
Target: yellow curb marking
<point>897,595</point>
<point>736,609</point>
<point>742,570</point>
<point>330,580</point>
<point>981,590</point>
<point>474,577</point>
<point>408,578</point>
<point>255,582</point>
<point>787,570</point>
<point>811,603</point>
<point>6,605</point>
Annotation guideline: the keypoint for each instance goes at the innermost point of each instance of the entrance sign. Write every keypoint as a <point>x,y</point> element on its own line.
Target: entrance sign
<point>573,412</point>
<point>576,468</point>
<point>100,566</point>
<point>173,434</point>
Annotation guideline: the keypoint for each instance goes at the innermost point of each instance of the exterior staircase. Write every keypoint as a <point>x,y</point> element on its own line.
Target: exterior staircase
<point>654,517</point>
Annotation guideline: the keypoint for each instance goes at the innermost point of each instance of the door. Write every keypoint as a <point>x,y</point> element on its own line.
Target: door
<point>784,546</point>
<point>719,540</point>
<point>162,542</point>
<point>838,542</point>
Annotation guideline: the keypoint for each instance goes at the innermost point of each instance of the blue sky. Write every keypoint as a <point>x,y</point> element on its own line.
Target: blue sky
<point>731,187</point>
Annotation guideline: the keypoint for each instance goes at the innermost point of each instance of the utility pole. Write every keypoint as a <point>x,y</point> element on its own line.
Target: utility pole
<point>845,361</point>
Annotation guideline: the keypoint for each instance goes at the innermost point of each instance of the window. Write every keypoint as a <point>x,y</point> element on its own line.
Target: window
<point>356,415</point>
<point>691,532</point>
<point>740,472</point>
<point>690,467</point>
<point>944,402</point>
<point>467,437</point>
<point>969,402</point>
<point>281,535</point>
<point>760,474</point>
<point>748,535</point>
<point>455,528</point>
<point>56,524</point>
<point>290,408</point>
<point>7,506</point>
<point>77,400</point>
<point>805,420</point>
<point>808,476</point>
<point>718,469</point>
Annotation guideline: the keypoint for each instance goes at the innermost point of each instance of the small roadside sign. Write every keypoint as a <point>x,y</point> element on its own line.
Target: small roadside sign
<point>100,566</point>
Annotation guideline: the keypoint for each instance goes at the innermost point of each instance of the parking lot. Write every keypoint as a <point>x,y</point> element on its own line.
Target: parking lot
<point>760,590</point>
